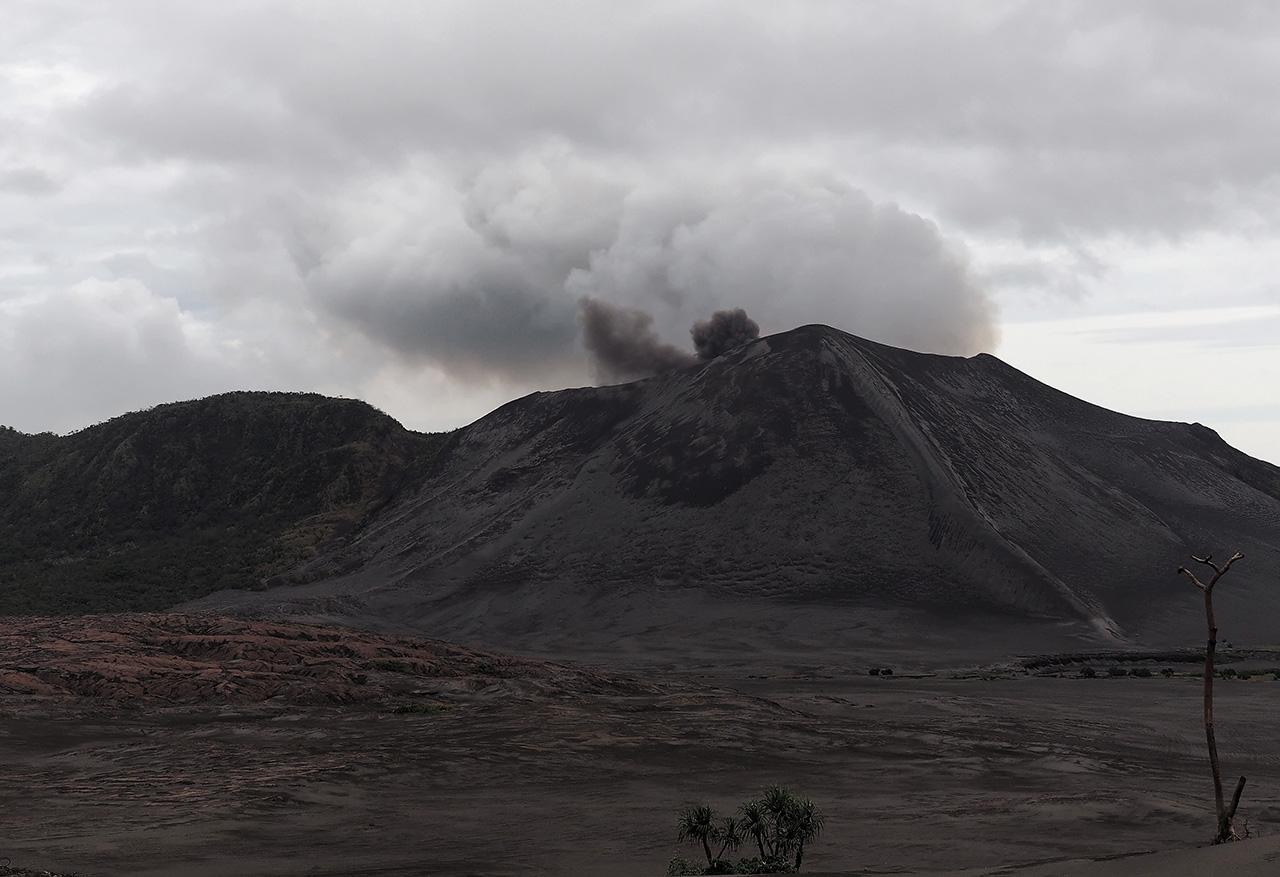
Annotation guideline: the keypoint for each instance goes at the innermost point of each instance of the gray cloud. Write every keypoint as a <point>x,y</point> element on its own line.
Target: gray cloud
<point>488,324</point>
<point>94,348</point>
<point>27,181</point>
<point>1054,119</point>
<point>436,191</point>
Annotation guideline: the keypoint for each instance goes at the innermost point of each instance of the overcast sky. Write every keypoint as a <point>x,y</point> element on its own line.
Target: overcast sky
<point>406,202</point>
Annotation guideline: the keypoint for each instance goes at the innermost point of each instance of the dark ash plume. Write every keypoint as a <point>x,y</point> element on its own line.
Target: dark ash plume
<point>723,332</point>
<point>622,342</point>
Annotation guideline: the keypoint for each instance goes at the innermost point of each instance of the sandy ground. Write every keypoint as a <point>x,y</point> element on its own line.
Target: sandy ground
<point>1254,858</point>
<point>915,775</point>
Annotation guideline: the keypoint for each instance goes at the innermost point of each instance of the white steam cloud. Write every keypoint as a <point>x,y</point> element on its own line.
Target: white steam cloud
<point>496,289</point>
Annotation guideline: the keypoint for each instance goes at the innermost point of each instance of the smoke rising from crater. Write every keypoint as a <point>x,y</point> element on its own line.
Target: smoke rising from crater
<point>624,346</point>
<point>622,343</point>
<point>723,332</point>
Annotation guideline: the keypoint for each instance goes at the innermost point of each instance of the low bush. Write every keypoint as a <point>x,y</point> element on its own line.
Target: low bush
<point>392,666</point>
<point>771,865</point>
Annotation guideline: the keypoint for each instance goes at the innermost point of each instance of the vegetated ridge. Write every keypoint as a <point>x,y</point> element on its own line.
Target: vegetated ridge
<point>152,508</point>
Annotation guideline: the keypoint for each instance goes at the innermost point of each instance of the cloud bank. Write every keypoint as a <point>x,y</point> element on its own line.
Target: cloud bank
<point>409,202</point>
<point>486,282</point>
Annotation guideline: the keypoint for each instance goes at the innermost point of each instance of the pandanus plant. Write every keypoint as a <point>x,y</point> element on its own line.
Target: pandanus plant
<point>781,825</point>
<point>698,823</point>
<point>790,824</point>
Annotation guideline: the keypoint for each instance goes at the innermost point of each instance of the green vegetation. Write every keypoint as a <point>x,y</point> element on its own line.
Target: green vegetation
<point>393,665</point>
<point>420,708</point>
<point>150,509</point>
<point>7,870</point>
<point>1256,663</point>
<point>487,668</point>
<point>778,824</point>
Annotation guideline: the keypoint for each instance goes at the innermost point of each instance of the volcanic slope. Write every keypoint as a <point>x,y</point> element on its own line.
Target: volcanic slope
<point>809,488</point>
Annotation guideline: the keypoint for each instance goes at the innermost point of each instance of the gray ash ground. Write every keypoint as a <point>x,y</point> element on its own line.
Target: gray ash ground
<point>927,774</point>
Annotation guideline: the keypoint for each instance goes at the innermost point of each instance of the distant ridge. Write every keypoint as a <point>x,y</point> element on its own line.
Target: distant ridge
<point>810,487</point>
<point>159,506</point>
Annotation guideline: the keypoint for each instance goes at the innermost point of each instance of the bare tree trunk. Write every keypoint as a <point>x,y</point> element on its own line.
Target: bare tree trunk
<point>1215,766</point>
<point>1226,816</point>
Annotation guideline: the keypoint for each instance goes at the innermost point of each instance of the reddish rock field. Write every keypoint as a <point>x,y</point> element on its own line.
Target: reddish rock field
<point>156,659</point>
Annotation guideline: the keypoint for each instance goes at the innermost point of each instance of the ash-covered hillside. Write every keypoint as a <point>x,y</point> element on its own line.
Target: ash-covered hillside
<point>807,482</point>
<point>807,488</point>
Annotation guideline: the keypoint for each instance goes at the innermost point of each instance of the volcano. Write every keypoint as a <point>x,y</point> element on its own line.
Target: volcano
<point>811,489</point>
<point>814,484</point>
